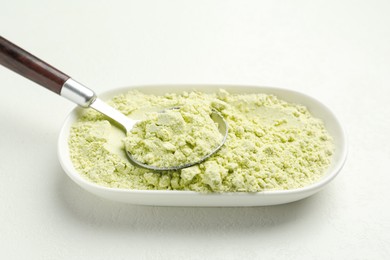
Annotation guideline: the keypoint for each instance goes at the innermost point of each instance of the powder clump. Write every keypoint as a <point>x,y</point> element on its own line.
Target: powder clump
<point>271,144</point>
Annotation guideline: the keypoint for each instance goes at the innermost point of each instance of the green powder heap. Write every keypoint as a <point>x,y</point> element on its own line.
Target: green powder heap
<point>174,137</point>
<point>271,145</point>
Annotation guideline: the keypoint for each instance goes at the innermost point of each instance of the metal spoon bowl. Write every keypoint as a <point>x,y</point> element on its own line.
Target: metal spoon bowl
<point>223,129</point>
<point>29,66</point>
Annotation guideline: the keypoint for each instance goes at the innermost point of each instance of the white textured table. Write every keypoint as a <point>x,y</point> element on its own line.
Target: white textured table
<point>337,51</point>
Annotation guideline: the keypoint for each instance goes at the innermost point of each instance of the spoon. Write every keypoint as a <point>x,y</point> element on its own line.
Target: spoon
<point>31,67</point>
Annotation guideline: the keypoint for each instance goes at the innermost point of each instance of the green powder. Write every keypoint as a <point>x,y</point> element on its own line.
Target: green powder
<point>272,144</point>
<point>174,137</point>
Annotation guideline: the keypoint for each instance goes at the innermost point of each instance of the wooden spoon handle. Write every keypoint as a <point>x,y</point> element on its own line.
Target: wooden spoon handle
<point>29,66</point>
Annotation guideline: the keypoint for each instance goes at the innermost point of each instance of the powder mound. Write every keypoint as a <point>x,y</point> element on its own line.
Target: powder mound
<point>174,137</point>
<point>271,144</point>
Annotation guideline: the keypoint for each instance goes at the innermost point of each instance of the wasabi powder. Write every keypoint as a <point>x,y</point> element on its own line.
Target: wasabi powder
<point>271,145</point>
<point>174,137</point>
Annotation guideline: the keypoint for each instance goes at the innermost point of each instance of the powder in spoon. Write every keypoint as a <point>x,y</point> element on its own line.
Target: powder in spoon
<point>174,137</point>
<point>271,145</point>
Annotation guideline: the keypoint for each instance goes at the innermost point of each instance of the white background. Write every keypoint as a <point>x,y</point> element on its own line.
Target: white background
<point>336,51</point>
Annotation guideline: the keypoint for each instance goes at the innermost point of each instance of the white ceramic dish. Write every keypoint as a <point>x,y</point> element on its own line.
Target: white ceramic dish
<point>189,198</point>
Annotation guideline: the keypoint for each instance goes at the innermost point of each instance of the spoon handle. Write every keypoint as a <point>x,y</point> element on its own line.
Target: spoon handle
<point>35,69</point>
<point>29,66</point>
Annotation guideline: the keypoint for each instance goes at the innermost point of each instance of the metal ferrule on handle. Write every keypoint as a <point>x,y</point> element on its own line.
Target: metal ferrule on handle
<point>77,93</point>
